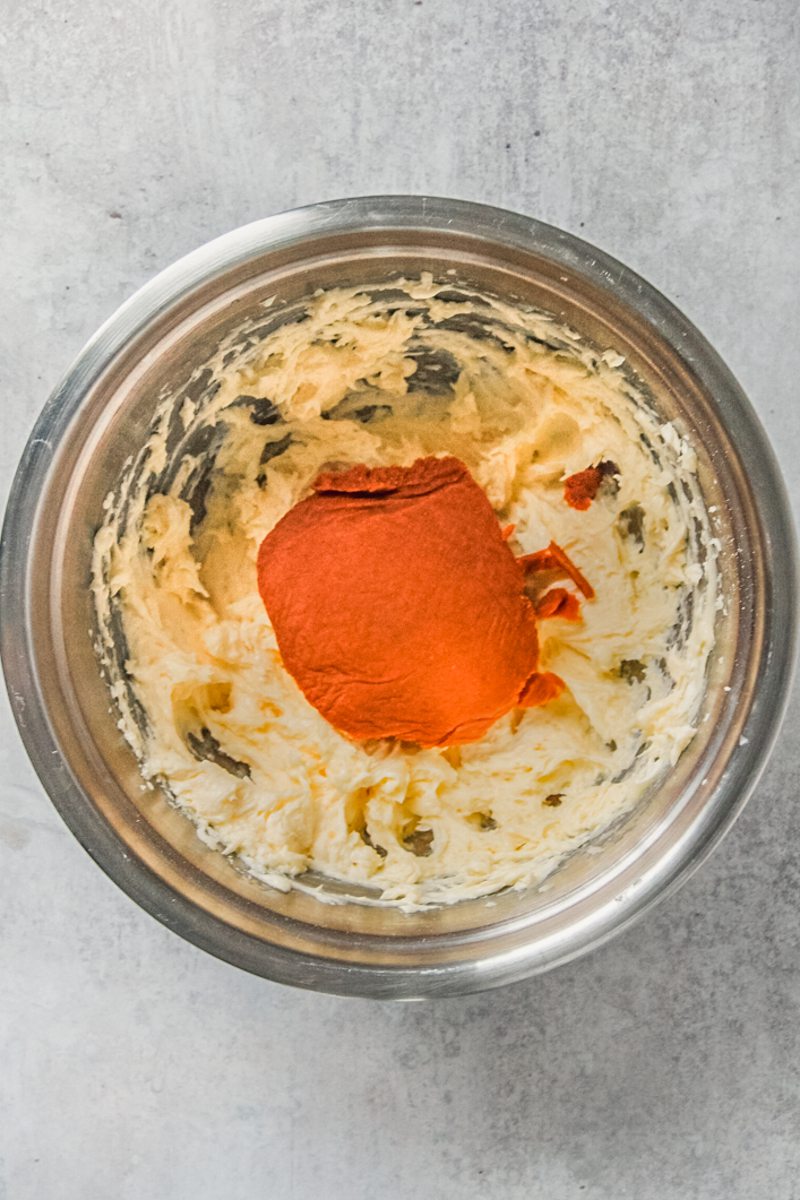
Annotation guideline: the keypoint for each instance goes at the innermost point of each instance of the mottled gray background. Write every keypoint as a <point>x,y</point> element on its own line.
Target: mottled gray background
<point>665,1065</point>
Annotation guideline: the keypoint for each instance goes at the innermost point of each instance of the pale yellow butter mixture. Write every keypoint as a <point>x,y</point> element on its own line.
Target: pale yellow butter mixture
<point>385,377</point>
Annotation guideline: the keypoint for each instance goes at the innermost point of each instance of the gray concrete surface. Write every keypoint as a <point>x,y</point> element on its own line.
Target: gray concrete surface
<point>664,1067</point>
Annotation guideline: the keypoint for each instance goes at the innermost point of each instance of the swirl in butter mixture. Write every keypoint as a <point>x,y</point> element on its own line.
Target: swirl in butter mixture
<point>385,378</point>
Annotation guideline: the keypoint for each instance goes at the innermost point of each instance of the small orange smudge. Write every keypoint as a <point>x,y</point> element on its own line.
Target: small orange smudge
<point>558,602</point>
<point>558,561</point>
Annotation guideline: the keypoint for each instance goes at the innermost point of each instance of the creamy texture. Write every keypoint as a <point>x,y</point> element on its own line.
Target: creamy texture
<point>385,378</point>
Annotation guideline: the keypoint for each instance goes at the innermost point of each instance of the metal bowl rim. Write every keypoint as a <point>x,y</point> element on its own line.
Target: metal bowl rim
<point>296,227</point>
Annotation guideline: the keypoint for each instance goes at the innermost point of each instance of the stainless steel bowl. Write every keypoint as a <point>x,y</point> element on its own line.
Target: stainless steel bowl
<point>102,409</point>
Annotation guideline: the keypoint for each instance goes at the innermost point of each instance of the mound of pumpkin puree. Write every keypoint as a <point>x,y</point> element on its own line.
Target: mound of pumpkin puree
<point>399,608</point>
<point>414,591</point>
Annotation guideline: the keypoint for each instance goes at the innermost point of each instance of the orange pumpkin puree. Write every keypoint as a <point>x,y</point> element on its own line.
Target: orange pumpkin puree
<point>581,488</point>
<point>401,611</point>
